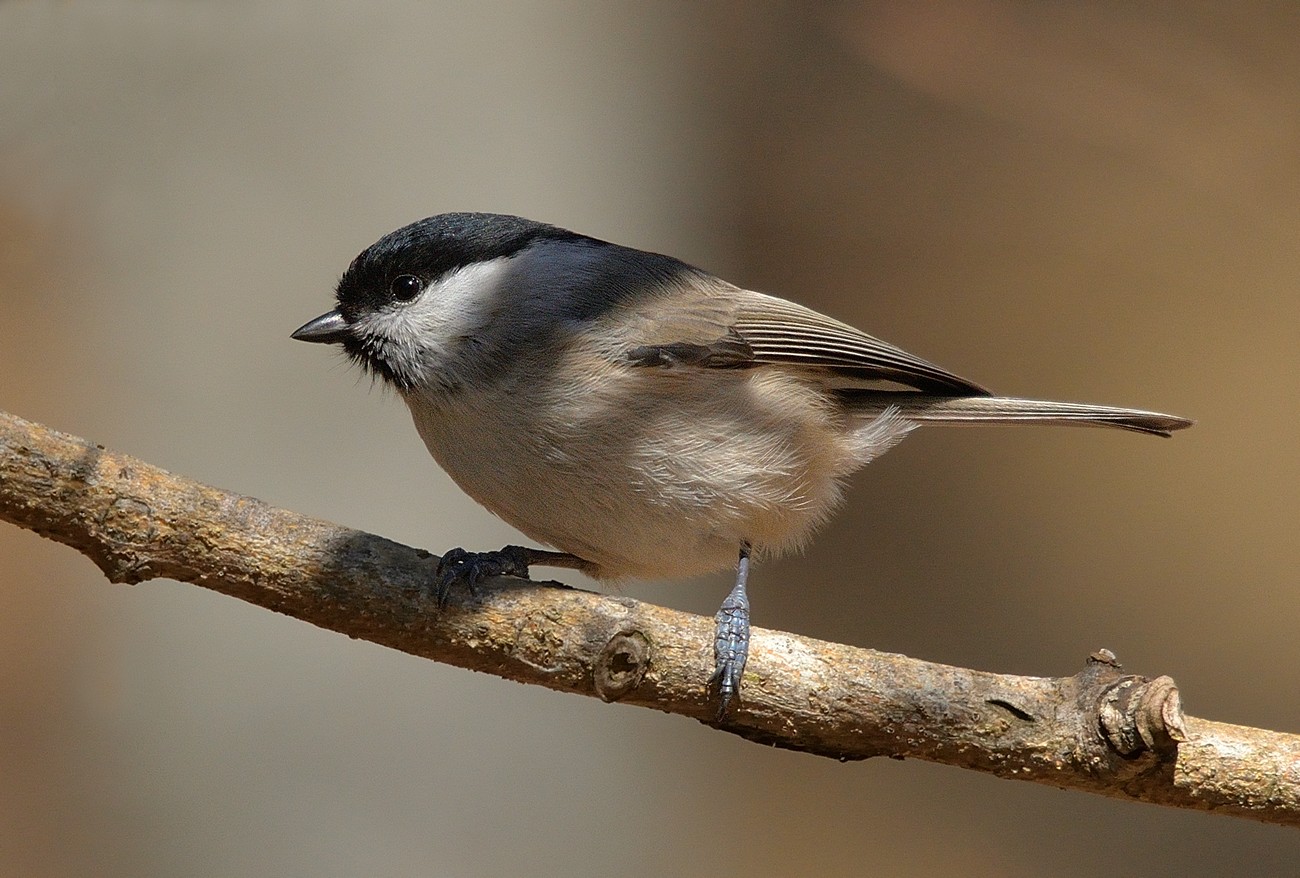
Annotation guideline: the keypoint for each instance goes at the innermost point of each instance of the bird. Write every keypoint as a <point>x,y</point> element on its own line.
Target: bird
<point>640,417</point>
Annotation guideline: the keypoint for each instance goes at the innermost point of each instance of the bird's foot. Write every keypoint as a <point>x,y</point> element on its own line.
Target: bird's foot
<point>730,651</point>
<point>470,568</point>
<point>731,639</point>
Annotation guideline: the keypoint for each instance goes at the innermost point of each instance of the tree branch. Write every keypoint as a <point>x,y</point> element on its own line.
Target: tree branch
<point>1101,730</point>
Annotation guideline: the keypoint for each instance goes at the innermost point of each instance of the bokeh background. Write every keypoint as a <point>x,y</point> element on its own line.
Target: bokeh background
<point>1091,201</point>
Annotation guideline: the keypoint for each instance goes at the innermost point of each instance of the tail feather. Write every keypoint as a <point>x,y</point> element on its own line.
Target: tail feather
<point>926,408</point>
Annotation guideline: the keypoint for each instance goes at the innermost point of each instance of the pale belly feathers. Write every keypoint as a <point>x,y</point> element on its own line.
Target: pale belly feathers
<point>649,473</point>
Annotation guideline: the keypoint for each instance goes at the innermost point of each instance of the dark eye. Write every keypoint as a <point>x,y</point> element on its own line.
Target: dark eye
<point>405,287</point>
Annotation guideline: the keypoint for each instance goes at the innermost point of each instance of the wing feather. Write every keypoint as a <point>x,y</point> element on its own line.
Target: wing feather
<point>692,319</point>
<point>779,331</point>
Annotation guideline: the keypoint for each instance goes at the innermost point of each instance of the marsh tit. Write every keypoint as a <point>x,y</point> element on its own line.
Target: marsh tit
<point>640,416</point>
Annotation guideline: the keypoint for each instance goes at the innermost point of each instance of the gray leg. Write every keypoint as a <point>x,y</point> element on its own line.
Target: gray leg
<point>731,637</point>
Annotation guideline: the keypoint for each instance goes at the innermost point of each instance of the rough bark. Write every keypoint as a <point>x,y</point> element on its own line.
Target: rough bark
<point>1100,730</point>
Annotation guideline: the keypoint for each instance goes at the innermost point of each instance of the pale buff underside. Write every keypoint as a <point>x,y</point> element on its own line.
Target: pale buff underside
<point>671,489</point>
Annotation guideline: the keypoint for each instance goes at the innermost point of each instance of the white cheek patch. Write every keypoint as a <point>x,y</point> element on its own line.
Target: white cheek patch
<point>424,333</point>
<point>460,303</point>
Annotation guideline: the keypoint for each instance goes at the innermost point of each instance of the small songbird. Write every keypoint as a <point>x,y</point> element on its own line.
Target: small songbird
<point>640,416</point>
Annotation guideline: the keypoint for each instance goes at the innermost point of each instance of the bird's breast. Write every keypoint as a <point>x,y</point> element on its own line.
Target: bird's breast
<point>646,472</point>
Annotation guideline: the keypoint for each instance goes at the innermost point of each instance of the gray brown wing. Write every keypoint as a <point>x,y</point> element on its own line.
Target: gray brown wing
<point>783,332</point>
<point>737,328</point>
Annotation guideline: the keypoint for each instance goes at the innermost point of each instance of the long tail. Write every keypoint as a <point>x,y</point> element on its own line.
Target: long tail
<point>926,408</point>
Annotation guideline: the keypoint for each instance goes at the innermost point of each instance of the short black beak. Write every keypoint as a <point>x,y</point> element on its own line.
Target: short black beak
<point>328,328</point>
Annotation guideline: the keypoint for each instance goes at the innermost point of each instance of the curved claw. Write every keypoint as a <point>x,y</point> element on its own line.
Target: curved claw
<point>470,568</point>
<point>725,681</point>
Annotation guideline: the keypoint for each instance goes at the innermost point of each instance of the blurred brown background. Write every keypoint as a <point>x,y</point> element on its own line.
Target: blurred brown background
<point>1092,201</point>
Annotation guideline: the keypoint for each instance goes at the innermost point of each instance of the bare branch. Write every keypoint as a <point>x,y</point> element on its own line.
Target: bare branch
<point>1100,730</point>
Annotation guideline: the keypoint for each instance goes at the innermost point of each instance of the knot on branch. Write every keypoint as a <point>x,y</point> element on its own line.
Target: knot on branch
<point>621,665</point>
<point>1139,715</point>
<point>1135,715</point>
